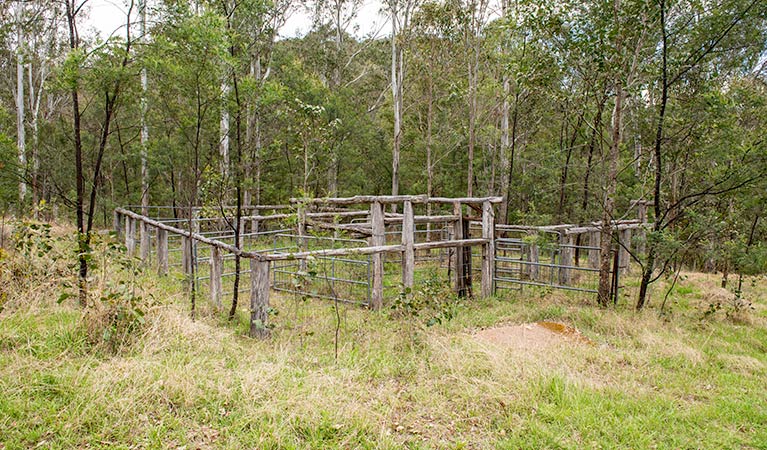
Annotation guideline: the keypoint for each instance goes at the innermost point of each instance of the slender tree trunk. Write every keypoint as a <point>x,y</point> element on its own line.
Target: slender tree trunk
<point>144,124</point>
<point>20,132</point>
<point>606,235</point>
<point>82,247</point>
<point>472,137</point>
<point>396,88</point>
<point>35,99</point>
<point>238,193</point>
<point>335,86</point>
<point>649,266</point>
<point>223,147</point>
<point>429,142</point>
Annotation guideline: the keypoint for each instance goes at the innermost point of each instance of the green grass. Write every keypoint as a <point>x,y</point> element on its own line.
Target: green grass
<point>679,381</point>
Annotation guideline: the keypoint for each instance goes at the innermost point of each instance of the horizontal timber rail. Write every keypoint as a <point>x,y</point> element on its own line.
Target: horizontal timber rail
<point>388,199</point>
<point>372,250</point>
<point>188,234</point>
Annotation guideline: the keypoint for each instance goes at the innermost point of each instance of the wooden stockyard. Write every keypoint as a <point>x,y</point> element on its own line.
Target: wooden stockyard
<point>507,256</point>
<point>309,213</point>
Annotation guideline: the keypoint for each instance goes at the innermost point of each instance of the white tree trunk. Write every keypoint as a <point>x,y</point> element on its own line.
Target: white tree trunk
<point>144,125</point>
<point>396,89</point>
<point>224,128</point>
<point>20,132</point>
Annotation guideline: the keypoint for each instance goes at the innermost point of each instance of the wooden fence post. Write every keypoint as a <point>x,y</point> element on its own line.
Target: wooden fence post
<point>259,298</point>
<point>117,223</point>
<point>488,250</point>
<point>459,269</point>
<point>565,257</point>
<point>186,255</point>
<point>130,235</point>
<point>408,254</point>
<point>216,270</point>
<point>162,252</point>
<point>524,250</point>
<point>594,252</point>
<point>302,243</point>
<point>534,268</point>
<point>624,238</point>
<point>143,241</point>
<point>378,238</point>
<point>467,260</point>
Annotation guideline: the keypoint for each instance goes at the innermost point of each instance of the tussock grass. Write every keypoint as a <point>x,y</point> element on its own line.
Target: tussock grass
<point>674,381</point>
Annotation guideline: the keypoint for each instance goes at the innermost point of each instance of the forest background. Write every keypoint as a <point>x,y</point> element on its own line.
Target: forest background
<point>571,111</point>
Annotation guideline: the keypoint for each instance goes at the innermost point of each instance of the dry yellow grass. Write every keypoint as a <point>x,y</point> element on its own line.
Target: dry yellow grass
<point>647,380</point>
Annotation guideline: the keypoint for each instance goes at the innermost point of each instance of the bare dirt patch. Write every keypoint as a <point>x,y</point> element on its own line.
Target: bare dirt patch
<point>532,336</point>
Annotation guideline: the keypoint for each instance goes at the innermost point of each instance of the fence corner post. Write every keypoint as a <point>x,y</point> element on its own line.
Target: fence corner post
<point>259,298</point>
<point>378,239</point>
<point>143,241</point>
<point>216,271</point>
<point>162,252</point>
<point>408,254</point>
<point>565,257</point>
<point>117,223</point>
<point>130,235</point>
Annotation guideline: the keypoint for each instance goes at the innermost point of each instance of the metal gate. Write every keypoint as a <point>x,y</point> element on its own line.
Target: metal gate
<point>548,261</point>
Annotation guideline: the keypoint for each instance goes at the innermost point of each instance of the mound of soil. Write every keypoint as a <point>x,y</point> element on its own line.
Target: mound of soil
<point>532,336</point>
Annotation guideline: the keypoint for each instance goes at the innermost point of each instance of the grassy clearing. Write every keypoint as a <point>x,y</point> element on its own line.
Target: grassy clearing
<point>674,382</point>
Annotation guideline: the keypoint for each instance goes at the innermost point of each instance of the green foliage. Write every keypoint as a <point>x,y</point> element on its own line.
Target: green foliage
<point>432,303</point>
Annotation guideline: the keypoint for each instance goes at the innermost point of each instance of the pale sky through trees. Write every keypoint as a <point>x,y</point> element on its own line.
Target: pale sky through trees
<point>106,17</point>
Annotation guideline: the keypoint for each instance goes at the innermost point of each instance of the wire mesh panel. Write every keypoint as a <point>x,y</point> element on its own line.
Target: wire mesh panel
<point>342,278</point>
<point>541,260</point>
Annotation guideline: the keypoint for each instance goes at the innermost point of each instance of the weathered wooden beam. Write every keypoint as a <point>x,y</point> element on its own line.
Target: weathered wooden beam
<point>302,242</point>
<point>144,241</point>
<point>397,218</point>
<point>618,227</point>
<point>551,228</point>
<point>371,250</point>
<point>460,267</point>
<point>259,299</point>
<point>186,255</point>
<point>450,244</point>
<point>565,258</point>
<point>313,215</point>
<point>361,199</point>
<point>465,200</point>
<point>354,227</point>
<point>130,235</point>
<point>216,270</point>
<point>624,247</point>
<point>408,254</point>
<point>378,239</point>
<point>594,242</point>
<point>388,199</point>
<point>117,223</point>
<point>162,252</point>
<point>196,236</point>
<point>488,250</point>
<point>468,272</point>
<point>534,260</point>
